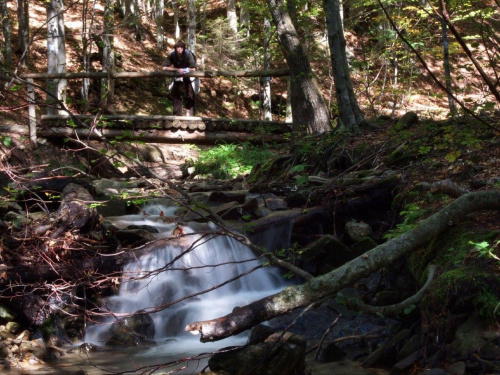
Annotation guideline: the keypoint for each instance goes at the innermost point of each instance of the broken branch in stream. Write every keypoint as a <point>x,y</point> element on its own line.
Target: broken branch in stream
<point>246,317</point>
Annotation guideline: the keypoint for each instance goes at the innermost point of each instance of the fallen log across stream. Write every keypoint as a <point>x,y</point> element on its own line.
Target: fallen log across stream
<point>246,317</point>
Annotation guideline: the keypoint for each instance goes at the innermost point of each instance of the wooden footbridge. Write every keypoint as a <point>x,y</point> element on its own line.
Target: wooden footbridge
<point>152,128</point>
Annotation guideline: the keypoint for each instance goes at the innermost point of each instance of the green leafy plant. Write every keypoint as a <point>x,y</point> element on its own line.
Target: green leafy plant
<point>411,213</point>
<point>484,249</point>
<point>230,160</point>
<point>6,140</point>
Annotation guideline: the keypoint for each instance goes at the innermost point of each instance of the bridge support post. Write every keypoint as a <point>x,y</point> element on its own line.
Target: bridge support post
<point>31,112</point>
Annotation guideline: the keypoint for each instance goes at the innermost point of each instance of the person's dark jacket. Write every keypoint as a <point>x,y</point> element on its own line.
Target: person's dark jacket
<point>187,60</point>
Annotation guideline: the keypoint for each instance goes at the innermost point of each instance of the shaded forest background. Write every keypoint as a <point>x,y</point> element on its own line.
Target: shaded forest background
<point>388,78</point>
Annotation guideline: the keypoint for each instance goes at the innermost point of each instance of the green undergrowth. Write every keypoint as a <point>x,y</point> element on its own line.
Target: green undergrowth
<point>229,160</point>
<point>440,142</point>
<point>467,278</point>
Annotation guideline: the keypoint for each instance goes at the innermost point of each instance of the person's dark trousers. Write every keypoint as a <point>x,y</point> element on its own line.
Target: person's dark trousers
<point>177,97</point>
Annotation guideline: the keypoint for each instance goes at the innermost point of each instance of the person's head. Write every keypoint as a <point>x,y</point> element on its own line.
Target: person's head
<point>180,46</point>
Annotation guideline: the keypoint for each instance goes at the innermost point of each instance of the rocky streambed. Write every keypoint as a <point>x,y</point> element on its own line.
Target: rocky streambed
<point>59,263</point>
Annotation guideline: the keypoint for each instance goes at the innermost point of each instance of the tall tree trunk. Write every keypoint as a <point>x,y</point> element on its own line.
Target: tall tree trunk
<point>158,12</point>
<point>108,55</point>
<point>137,19</point>
<point>56,56</point>
<point>232,17</point>
<point>24,34</point>
<point>446,63</point>
<point>266,81</point>
<point>7,44</point>
<point>308,105</point>
<point>176,20</point>
<point>87,23</point>
<point>350,113</point>
<point>191,20</point>
<point>245,18</point>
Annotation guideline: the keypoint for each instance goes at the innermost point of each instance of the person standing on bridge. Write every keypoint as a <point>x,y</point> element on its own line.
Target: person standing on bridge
<point>181,61</point>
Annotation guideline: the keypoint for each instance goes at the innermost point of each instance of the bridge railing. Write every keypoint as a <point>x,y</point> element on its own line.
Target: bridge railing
<point>29,78</point>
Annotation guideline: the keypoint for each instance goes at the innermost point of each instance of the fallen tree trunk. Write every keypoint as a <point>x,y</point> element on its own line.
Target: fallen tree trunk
<point>243,318</point>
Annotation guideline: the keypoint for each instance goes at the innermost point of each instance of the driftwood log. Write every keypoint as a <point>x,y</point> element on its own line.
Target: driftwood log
<point>315,289</point>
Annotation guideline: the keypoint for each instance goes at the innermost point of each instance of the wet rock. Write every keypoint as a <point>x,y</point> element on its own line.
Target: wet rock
<point>6,335</point>
<point>330,352</point>
<point>251,205</point>
<point>468,337</point>
<point>411,346</point>
<point>385,350</point>
<point>403,366</point>
<point>134,236</point>
<point>260,333</point>
<point>6,314</point>
<point>84,348</point>
<point>266,358</point>
<point>363,245</point>
<point>12,327</point>
<point>408,120</point>
<point>4,350</point>
<point>275,204</point>
<point>234,213</point>
<point>134,330</point>
<point>17,219</point>
<point>53,332</point>
<point>296,200</point>
<point>108,190</point>
<point>457,368</point>
<point>289,337</point>
<point>357,231</point>
<point>227,196</point>
<point>262,212</point>
<point>6,206</point>
<point>434,371</point>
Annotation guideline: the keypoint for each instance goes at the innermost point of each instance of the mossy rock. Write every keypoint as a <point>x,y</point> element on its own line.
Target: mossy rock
<point>469,288</point>
<point>448,250</point>
<point>6,314</point>
<point>408,120</point>
<point>363,245</point>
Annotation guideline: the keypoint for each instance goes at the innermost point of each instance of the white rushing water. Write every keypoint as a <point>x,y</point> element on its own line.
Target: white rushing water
<point>212,261</point>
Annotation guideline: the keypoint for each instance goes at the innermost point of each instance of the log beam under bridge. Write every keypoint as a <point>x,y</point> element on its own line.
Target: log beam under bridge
<point>131,122</point>
<point>163,129</point>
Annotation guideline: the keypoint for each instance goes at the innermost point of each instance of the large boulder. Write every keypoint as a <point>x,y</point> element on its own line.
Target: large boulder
<point>134,330</point>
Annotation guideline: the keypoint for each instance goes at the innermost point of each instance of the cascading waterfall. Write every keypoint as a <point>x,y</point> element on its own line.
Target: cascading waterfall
<point>211,261</point>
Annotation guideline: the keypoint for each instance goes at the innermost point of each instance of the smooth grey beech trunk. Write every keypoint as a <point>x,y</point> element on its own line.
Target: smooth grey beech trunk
<point>266,81</point>
<point>158,12</point>
<point>232,17</point>
<point>350,113</point>
<point>56,56</point>
<point>309,111</point>
<point>191,30</point>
